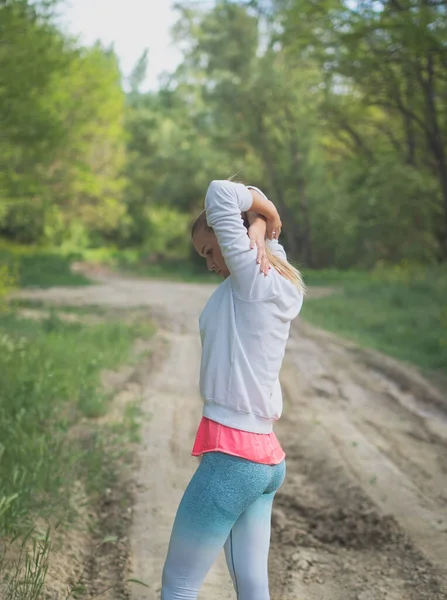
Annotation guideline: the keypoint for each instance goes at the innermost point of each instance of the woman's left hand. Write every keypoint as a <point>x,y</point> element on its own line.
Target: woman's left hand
<point>256,233</point>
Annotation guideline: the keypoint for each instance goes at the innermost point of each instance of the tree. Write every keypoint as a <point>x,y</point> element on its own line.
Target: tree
<point>254,113</point>
<point>61,144</point>
<point>388,58</point>
<point>28,135</point>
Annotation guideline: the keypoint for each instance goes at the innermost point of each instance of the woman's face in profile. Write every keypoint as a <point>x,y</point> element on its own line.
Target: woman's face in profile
<point>205,242</point>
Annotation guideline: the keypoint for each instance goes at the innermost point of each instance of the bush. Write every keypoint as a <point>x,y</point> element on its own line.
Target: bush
<point>36,267</point>
<point>8,282</point>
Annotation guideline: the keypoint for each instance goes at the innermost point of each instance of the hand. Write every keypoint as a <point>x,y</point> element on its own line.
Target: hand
<point>256,233</point>
<point>274,226</point>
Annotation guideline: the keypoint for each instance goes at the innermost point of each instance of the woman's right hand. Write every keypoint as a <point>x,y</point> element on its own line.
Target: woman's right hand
<point>256,233</point>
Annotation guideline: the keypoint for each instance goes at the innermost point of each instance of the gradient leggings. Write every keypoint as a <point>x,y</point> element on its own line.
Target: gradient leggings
<point>228,503</point>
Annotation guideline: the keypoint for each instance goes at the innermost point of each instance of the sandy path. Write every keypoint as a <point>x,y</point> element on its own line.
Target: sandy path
<point>363,512</point>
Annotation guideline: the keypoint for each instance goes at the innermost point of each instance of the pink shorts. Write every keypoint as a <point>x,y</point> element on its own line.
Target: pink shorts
<point>258,447</point>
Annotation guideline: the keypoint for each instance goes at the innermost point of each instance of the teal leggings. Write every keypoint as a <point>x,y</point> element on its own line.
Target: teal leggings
<point>228,503</point>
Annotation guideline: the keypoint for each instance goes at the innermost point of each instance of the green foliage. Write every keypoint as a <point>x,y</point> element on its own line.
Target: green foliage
<point>377,215</point>
<point>50,382</point>
<point>35,268</point>
<point>88,168</point>
<point>174,270</point>
<point>62,143</point>
<point>333,108</point>
<point>299,117</point>
<point>8,282</point>
<point>381,66</point>
<point>48,270</point>
<point>25,576</point>
<point>400,311</point>
<point>189,267</point>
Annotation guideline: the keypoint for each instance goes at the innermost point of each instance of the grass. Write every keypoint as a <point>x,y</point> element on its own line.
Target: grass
<point>401,311</point>
<point>88,309</point>
<point>134,261</point>
<point>47,268</point>
<point>26,574</point>
<point>51,444</point>
<point>335,277</point>
<point>40,268</point>
<point>51,383</point>
<point>171,271</point>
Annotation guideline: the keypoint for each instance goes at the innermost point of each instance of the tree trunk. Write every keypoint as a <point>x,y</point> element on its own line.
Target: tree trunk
<point>435,137</point>
<point>409,125</point>
<point>306,231</point>
<point>442,174</point>
<point>292,228</point>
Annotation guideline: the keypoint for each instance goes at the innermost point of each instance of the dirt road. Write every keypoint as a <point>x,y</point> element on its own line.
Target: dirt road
<point>363,512</point>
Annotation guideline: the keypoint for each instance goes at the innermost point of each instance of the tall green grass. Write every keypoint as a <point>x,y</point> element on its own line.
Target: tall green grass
<point>24,576</point>
<point>50,382</point>
<point>401,311</point>
<point>51,446</point>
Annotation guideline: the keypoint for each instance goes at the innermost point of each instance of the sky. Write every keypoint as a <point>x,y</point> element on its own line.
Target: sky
<point>132,26</point>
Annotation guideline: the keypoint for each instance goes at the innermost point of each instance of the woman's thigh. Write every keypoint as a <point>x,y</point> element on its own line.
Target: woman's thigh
<point>247,550</point>
<point>247,546</point>
<point>222,488</point>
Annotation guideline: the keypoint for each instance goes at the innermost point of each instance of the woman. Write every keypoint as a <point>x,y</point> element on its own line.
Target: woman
<point>244,329</point>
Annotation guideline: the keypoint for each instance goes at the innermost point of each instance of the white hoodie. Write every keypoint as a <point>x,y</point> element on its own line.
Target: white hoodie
<point>245,324</point>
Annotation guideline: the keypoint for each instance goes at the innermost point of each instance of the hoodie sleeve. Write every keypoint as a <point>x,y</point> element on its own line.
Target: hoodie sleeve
<point>224,203</point>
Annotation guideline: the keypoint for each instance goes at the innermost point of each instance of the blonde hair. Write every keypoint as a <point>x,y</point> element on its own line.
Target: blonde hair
<point>281,265</point>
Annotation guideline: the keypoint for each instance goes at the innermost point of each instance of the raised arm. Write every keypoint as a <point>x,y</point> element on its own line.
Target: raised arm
<point>254,218</point>
<point>224,203</point>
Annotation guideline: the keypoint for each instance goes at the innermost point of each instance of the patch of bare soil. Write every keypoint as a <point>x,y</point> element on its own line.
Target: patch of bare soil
<point>330,541</point>
<point>363,512</point>
<point>107,571</point>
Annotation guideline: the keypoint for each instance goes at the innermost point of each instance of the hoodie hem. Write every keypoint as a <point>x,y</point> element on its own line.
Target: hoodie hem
<point>237,420</point>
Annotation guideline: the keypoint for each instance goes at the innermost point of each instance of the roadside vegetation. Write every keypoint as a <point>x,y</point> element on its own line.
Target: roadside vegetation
<point>58,455</point>
<point>401,311</point>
